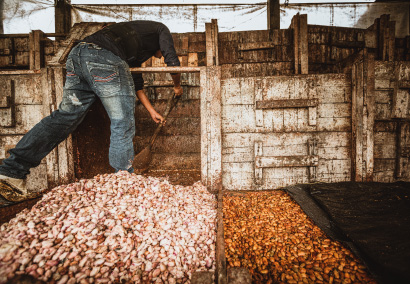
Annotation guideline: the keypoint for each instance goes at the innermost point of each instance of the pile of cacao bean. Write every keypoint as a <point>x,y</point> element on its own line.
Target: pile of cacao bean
<point>270,235</point>
<point>114,228</point>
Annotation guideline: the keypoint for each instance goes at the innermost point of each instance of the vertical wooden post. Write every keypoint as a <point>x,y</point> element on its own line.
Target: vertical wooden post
<point>273,15</point>
<point>295,27</point>
<point>211,152</point>
<point>357,120</point>
<point>204,125</point>
<point>369,101</point>
<point>391,40</point>
<point>303,45</point>
<point>1,17</point>
<point>62,16</point>
<point>36,55</point>
<point>49,105</point>
<point>211,34</point>
<point>386,33</point>
<point>300,43</point>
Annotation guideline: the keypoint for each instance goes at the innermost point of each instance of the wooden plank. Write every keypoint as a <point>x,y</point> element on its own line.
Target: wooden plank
<point>391,40</point>
<point>5,93</point>
<point>192,59</point>
<point>215,123</point>
<point>239,118</point>
<point>303,45</point>
<point>256,45</point>
<point>204,126</point>
<point>49,104</point>
<point>290,117</point>
<point>62,16</point>
<point>356,123</point>
<point>400,96</point>
<point>404,84</point>
<point>31,50</point>
<point>312,112</point>
<point>359,129</point>
<point>295,27</point>
<point>286,161</point>
<point>38,56</point>
<point>211,33</point>
<point>383,36</point>
<point>334,110</point>
<point>258,152</point>
<point>402,150</point>
<point>215,40</point>
<point>258,97</point>
<point>19,72</point>
<point>170,69</point>
<point>185,45</point>
<point>369,77</point>
<point>290,103</point>
<point>65,149</point>
<point>273,14</point>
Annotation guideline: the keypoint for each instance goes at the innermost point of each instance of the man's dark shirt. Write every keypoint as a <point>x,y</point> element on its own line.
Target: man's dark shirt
<point>152,36</point>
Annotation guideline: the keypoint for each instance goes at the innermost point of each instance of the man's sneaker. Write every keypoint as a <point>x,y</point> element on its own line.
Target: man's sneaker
<point>13,190</point>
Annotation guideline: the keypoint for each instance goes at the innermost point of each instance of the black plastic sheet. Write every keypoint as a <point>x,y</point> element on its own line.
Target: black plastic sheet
<point>372,219</point>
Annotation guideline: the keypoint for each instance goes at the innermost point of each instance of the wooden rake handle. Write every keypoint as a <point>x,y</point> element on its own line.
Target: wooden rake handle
<point>172,101</point>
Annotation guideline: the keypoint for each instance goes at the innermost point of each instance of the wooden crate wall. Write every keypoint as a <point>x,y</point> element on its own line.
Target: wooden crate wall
<point>392,121</point>
<point>14,52</point>
<point>178,146</point>
<point>21,107</point>
<point>284,130</point>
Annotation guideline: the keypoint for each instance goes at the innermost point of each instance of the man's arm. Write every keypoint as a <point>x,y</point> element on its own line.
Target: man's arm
<point>147,104</point>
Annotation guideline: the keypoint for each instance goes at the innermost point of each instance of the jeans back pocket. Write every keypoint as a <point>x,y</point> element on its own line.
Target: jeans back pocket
<point>105,78</point>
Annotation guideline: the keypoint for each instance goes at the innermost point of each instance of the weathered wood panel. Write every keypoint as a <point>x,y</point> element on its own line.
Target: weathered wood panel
<point>238,158</point>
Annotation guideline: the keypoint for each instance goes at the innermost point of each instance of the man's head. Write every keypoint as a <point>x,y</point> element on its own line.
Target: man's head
<point>158,54</point>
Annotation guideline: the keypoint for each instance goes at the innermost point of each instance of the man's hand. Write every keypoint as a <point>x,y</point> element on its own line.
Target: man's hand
<point>177,84</point>
<point>156,117</point>
<point>178,91</point>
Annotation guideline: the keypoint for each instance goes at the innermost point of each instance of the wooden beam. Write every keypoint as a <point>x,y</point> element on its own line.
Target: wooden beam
<point>357,121</point>
<point>171,69</point>
<point>203,80</point>
<point>300,43</point>
<point>36,51</point>
<point>303,44</point>
<point>273,15</point>
<point>391,41</point>
<point>211,34</point>
<point>62,15</point>
<point>211,124</point>
<point>291,103</point>
<point>19,72</point>
<point>295,27</point>
<point>256,45</point>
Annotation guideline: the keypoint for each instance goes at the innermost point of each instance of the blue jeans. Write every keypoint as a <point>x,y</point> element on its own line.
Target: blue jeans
<point>91,72</point>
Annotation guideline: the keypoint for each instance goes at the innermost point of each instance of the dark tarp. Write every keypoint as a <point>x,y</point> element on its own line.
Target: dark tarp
<point>372,219</point>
